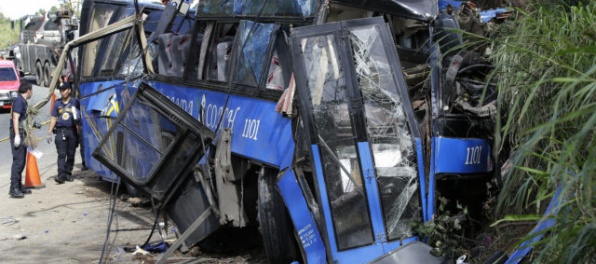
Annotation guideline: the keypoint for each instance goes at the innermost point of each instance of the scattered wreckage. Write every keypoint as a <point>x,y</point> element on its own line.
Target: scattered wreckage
<point>330,126</point>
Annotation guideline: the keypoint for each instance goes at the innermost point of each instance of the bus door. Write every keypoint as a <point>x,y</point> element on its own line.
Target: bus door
<point>365,145</point>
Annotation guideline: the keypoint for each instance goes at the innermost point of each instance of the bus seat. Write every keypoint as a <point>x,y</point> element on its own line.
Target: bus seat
<point>163,55</point>
<point>179,51</point>
<point>224,54</point>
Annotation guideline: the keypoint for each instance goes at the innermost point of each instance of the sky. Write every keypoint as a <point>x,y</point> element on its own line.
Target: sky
<point>15,9</point>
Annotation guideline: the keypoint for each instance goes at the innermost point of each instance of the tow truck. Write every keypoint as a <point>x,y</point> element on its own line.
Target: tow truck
<point>41,43</point>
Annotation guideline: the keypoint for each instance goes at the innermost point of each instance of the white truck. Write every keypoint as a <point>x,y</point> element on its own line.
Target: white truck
<point>41,42</point>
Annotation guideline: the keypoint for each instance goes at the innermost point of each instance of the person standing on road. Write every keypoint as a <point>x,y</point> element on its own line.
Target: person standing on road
<point>65,118</point>
<point>18,115</point>
<point>70,81</point>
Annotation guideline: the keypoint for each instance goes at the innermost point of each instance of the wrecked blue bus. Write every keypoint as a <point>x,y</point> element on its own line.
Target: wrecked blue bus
<point>328,125</point>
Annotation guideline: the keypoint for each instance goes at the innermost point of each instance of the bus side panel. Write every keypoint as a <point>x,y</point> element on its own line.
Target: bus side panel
<point>99,107</point>
<point>258,132</point>
<point>310,237</point>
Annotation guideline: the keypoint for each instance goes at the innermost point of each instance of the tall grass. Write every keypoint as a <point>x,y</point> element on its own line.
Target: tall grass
<point>546,61</point>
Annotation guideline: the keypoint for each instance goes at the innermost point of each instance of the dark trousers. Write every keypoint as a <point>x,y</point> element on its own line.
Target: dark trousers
<point>19,156</point>
<point>66,141</point>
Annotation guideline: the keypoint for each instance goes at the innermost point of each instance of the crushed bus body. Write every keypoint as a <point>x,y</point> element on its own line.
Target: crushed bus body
<point>330,126</point>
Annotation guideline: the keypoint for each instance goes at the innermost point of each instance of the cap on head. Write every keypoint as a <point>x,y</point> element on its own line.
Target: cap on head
<point>64,86</point>
<point>25,86</point>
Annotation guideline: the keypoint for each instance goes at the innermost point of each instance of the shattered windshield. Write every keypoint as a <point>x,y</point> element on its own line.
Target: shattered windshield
<point>388,131</point>
<point>339,157</point>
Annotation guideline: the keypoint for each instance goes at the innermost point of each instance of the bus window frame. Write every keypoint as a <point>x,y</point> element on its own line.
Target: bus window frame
<point>207,44</point>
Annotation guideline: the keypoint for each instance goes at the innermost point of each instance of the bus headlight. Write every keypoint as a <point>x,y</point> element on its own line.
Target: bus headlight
<point>14,94</point>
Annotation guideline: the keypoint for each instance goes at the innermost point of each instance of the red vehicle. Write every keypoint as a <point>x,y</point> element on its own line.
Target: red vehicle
<point>9,83</point>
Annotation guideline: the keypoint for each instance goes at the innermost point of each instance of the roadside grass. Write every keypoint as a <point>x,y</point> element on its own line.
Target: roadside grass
<point>546,63</point>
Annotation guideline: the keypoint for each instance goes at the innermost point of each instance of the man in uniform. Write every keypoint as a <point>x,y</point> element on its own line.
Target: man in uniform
<point>18,115</point>
<point>70,80</point>
<point>65,118</point>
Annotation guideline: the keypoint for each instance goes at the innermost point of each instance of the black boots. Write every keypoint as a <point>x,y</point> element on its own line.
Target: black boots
<point>23,189</point>
<point>59,179</point>
<point>17,190</point>
<point>16,193</point>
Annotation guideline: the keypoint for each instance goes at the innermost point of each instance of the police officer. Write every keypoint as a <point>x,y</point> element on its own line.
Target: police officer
<point>65,118</point>
<point>18,115</point>
<point>70,80</point>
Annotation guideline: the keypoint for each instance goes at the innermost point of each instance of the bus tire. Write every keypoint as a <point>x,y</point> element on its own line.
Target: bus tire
<point>38,74</point>
<point>275,225</point>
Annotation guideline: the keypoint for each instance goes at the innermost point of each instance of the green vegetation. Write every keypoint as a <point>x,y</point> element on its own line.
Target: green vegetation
<point>444,233</point>
<point>546,63</point>
<point>8,36</point>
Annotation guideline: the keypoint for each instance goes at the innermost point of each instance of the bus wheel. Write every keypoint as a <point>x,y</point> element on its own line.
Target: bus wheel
<point>275,224</point>
<point>47,74</point>
<point>38,74</point>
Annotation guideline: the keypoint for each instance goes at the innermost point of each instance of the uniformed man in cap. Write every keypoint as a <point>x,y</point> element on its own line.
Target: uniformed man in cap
<point>18,115</point>
<point>65,118</point>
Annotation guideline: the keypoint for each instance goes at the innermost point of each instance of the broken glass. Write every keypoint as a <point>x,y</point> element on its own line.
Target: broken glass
<point>215,8</point>
<point>132,66</point>
<point>416,9</point>
<point>279,8</point>
<point>259,8</point>
<point>100,17</point>
<point>117,44</point>
<point>341,166</point>
<point>252,47</point>
<point>388,131</point>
